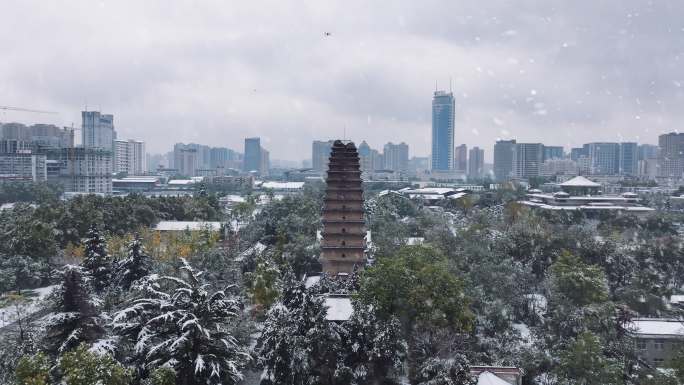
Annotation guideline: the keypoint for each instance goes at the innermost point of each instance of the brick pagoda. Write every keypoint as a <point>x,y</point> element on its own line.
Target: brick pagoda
<point>343,247</point>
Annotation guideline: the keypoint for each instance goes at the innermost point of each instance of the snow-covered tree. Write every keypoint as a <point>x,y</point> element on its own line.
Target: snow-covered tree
<point>96,261</point>
<point>18,272</point>
<point>74,318</point>
<point>452,371</point>
<point>370,347</point>
<point>135,266</point>
<point>298,345</point>
<point>178,323</point>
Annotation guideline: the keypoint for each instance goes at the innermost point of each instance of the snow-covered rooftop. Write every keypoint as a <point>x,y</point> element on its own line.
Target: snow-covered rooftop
<point>457,195</point>
<point>283,185</point>
<point>10,206</point>
<point>587,207</point>
<point>489,378</point>
<point>187,225</point>
<point>137,179</point>
<point>426,196</point>
<point>428,190</point>
<point>255,249</point>
<point>657,327</point>
<point>232,199</point>
<point>339,308</point>
<point>579,181</point>
<point>677,299</point>
<point>181,182</point>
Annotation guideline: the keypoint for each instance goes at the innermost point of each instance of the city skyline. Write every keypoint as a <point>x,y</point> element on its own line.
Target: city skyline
<point>179,73</point>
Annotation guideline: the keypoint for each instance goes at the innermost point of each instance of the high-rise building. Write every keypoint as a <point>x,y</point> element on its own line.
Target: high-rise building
<point>476,163</point>
<point>320,154</point>
<point>527,159</point>
<point>185,159</point>
<point>461,158</point>
<point>265,164</point>
<point>552,167</point>
<point>553,152</point>
<point>23,166</point>
<point>504,151</point>
<point>252,160</point>
<point>36,137</point>
<point>671,158</point>
<point>443,131</point>
<point>130,157</point>
<point>221,157</point>
<point>647,151</point>
<point>51,136</point>
<point>583,165</point>
<point>343,246</point>
<point>83,170</point>
<point>203,155</point>
<point>377,160</point>
<point>97,130</point>
<point>648,168</point>
<point>629,158</point>
<point>13,146</point>
<point>396,156</point>
<point>577,152</point>
<point>15,131</point>
<point>604,157</point>
<point>365,157</point>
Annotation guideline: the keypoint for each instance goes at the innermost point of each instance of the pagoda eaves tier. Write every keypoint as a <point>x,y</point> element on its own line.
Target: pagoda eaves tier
<point>343,247</point>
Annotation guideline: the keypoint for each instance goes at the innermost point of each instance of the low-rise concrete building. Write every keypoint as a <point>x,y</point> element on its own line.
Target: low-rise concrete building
<point>657,340</point>
<point>135,183</point>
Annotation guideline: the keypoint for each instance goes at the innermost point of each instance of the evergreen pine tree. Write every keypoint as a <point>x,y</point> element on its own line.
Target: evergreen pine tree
<point>371,347</point>
<point>96,261</point>
<point>74,317</point>
<point>179,324</point>
<point>298,345</point>
<point>135,266</point>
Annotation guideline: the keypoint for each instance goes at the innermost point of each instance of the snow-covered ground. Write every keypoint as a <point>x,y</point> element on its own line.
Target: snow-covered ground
<point>9,315</point>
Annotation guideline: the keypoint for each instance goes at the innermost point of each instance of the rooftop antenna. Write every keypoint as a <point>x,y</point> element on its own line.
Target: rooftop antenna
<point>435,85</point>
<point>450,90</point>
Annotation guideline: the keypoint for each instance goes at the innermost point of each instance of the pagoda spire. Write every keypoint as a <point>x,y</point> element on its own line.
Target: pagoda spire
<point>343,247</point>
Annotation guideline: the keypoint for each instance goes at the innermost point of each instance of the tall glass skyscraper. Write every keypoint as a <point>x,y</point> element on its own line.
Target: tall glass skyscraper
<point>97,130</point>
<point>443,130</point>
<point>252,159</point>
<point>629,158</point>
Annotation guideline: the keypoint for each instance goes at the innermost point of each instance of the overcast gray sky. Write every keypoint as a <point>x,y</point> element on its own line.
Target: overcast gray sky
<point>213,72</point>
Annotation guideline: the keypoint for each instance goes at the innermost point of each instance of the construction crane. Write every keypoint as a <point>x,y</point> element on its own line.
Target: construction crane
<point>9,108</point>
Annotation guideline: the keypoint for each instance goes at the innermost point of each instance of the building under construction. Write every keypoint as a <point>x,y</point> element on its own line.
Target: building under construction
<point>82,170</point>
<point>343,246</point>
